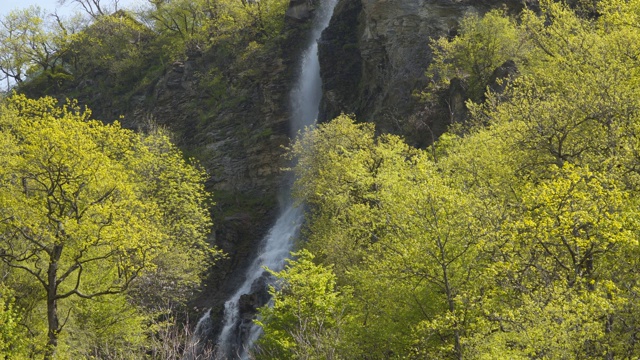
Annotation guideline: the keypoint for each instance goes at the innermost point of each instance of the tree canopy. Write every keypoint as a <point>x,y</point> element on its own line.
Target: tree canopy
<point>515,235</point>
<point>91,210</point>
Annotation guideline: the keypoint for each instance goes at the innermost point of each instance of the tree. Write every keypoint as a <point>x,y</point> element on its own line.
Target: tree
<point>484,44</point>
<point>568,230</point>
<point>31,44</point>
<point>396,231</point>
<point>115,45</point>
<point>95,8</point>
<point>335,170</point>
<point>197,25</point>
<point>307,313</point>
<point>87,209</point>
<point>12,338</point>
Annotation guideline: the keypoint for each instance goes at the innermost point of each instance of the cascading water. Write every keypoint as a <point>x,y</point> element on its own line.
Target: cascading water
<point>238,334</point>
<point>306,95</point>
<point>234,340</point>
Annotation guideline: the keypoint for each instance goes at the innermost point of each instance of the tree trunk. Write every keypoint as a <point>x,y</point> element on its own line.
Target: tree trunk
<point>52,302</point>
<point>450,300</point>
<point>452,310</point>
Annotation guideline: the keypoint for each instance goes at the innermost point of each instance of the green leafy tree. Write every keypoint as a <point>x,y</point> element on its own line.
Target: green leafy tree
<point>88,209</point>
<point>569,227</point>
<point>32,44</point>
<point>95,8</point>
<point>485,43</point>
<point>115,45</point>
<point>335,170</point>
<point>378,209</point>
<point>307,313</point>
<point>195,26</point>
<point>13,338</point>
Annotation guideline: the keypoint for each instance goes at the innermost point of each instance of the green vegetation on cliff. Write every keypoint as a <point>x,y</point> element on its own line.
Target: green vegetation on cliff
<point>514,236</point>
<point>118,55</point>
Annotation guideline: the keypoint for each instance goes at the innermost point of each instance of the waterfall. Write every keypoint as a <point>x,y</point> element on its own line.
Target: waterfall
<point>238,333</point>
<point>306,95</point>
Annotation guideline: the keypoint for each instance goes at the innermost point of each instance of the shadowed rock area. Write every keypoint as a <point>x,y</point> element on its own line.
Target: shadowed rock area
<point>374,55</point>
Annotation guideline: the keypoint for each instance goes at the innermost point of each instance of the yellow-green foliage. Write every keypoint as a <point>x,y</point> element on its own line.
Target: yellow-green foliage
<point>307,312</point>
<point>13,338</point>
<point>123,49</point>
<point>517,239</point>
<point>196,25</point>
<point>104,328</point>
<point>31,44</point>
<point>90,210</point>
<point>484,44</point>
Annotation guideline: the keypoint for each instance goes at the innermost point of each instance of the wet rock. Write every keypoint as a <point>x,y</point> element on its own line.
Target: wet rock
<point>257,297</point>
<point>341,63</point>
<point>456,102</point>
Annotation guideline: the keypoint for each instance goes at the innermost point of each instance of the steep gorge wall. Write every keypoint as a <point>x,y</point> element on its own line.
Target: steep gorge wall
<point>241,148</point>
<point>234,119</point>
<point>240,141</point>
<point>374,55</point>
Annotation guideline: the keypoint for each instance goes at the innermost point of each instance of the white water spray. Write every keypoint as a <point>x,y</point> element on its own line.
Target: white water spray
<point>277,245</point>
<point>275,248</point>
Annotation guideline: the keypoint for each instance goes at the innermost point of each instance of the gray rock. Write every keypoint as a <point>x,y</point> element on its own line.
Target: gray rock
<point>501,76</point>
<point>375,53</point>
<point>300,10</point>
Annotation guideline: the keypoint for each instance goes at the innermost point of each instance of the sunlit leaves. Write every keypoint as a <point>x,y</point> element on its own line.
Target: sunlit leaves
<point>484,44</point>
<point>91,210</point>
<point>13,339</point>
<point>34,46</point>
<point>196,25</point>
<point>513,236</point>
<point>307,312</point>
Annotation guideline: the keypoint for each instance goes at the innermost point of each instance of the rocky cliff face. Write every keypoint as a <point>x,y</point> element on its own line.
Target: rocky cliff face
<point>234,119</point>
<point>241,148</point>
<point>374,55</point>
<point>239,139</point>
